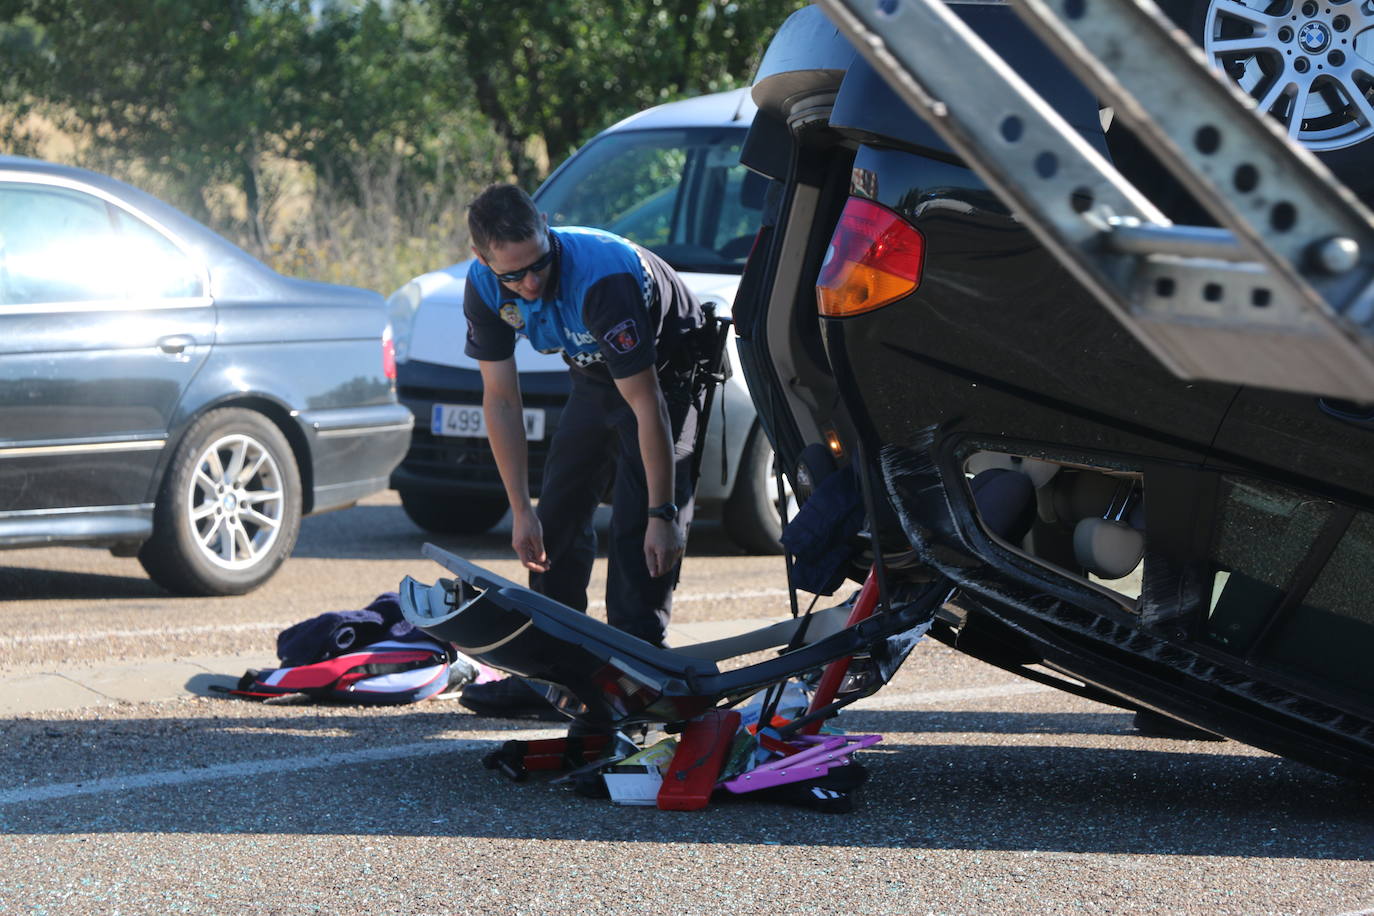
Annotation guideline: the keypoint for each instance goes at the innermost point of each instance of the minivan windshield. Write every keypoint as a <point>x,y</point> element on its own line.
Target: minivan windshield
<point>679,192</point>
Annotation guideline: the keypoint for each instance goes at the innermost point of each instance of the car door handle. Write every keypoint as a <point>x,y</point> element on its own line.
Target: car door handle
<point>175,343</point>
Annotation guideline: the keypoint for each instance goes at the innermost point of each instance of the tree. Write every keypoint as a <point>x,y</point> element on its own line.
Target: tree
<point>391,112</point>
<point>563,69</point>
<point>186,86</point>
<point>208,92</point>
<point>375,88</point>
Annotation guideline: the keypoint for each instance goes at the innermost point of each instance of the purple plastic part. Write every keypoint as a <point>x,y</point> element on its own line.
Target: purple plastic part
<point>819,754</point>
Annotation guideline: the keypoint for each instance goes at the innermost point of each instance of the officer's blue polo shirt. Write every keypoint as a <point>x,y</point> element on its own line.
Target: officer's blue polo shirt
<point>609,306</point>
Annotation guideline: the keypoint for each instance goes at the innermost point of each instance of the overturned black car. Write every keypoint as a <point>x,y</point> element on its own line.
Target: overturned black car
<point>1001,461</point>
<point>1193,549</point>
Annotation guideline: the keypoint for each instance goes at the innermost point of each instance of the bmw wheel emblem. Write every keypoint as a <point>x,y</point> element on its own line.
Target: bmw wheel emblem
<point>1314,37</point>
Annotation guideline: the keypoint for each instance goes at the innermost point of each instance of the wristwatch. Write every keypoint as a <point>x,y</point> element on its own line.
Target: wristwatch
<point>667,512</point>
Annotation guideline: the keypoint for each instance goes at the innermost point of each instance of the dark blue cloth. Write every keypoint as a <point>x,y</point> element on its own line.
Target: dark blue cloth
<point>1005,501</point>
<point>821,536</point>
<point>333,633</point>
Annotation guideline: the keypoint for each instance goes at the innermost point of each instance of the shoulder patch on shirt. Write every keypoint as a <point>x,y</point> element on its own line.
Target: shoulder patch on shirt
<point>510,314</point>
<point>624,337</point>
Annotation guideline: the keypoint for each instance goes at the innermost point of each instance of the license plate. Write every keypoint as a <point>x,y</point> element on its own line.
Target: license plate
<point>467,420</point>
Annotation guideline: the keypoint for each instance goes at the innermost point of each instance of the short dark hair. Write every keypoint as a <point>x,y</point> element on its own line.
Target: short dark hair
<point>503,214</point>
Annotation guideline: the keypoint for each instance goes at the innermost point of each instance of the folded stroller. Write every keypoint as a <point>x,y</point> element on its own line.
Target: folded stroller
<point>602,677</point>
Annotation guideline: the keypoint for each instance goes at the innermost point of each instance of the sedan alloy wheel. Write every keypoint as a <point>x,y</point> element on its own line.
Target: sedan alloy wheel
<point>230,507</point>
<point>237,500</point>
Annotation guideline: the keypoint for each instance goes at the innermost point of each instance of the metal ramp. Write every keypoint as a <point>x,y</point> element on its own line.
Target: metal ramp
<point>1282,296</point>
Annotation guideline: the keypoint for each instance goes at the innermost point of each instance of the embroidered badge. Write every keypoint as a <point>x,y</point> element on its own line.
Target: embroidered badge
<point>510,314</point>
<point>624,337</point>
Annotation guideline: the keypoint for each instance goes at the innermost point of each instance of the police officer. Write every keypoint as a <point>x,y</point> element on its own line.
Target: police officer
<point>620,316</point>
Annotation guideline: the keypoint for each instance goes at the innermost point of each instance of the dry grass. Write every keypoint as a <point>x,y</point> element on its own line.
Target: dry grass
<point>395,229</point>
<point>391,233</point>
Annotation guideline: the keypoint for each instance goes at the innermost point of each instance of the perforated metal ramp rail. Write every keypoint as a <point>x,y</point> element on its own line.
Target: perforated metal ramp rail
<point>1282,296</point>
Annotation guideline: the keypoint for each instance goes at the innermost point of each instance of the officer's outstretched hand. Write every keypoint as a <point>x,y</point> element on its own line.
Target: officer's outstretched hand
<point>663,546</point>
<point>527,537</point>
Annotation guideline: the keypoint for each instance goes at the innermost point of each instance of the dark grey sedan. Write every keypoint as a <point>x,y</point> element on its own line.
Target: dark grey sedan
<point>165,394</point>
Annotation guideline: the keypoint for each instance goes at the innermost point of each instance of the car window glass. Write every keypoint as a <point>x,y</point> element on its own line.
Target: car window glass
<point>160,269</point>
<point>1263,532</point>
<point>1087,523</point>
<point>1331,632</point>
<point>52,244</point>
<point>59,245</point>
<point>681,193</point>
<point>628,182</point>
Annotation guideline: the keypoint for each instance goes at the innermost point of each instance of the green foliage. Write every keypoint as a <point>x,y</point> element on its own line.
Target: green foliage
<point>561,70</point>
<point>147,79</point>
<point>206,91</point>
<point>358,127</point>
<point>369,87</point>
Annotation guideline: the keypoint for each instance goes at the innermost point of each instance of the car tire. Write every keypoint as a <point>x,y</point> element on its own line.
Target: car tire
<point>750,515</point>
<point>215,530</point>
<point>443,513</point>
<point>1338,120</point>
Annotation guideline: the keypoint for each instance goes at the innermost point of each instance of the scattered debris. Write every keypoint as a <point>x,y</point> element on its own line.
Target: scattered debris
<point>371,656</point>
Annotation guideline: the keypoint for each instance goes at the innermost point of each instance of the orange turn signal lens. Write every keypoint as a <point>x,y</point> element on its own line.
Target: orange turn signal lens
<point>875,258</point>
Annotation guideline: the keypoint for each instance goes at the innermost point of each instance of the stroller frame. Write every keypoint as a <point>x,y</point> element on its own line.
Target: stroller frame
<point>603,677</point>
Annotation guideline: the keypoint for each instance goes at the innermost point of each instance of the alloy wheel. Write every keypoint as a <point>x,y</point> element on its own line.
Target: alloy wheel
<point>1308,64</point>
<point>236,502</point>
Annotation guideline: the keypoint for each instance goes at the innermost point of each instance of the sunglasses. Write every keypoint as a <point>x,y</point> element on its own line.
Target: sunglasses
<point>515,276</point>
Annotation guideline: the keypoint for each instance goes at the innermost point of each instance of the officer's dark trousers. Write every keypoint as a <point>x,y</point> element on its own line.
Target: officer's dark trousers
<point>597,439</point>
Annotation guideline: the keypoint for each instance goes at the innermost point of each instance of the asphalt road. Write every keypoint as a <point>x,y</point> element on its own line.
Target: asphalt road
<point>988,794</point>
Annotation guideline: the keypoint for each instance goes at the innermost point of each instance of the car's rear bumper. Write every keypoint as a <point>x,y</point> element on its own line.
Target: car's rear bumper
<point>353,451</point>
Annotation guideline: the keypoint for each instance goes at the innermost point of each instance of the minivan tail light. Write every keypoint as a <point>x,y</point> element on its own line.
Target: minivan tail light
<point>388,353</point>
<point>875,258</point>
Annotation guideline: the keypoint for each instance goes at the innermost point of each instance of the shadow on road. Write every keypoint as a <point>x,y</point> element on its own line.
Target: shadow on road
<point>19,582</point>
<point>1003,723</point>
<point>1201,800</point>
<point>385,533</point>
<point>359,533</point>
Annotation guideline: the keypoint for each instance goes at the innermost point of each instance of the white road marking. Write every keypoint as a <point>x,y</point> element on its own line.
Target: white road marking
<point>254,768</point>
<point>68,638</point>
<point>721,596</point>
<point>40,638</point>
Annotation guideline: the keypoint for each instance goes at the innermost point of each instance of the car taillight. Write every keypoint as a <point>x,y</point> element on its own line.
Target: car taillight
<point>388,354</point>
<point>875,258</point>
